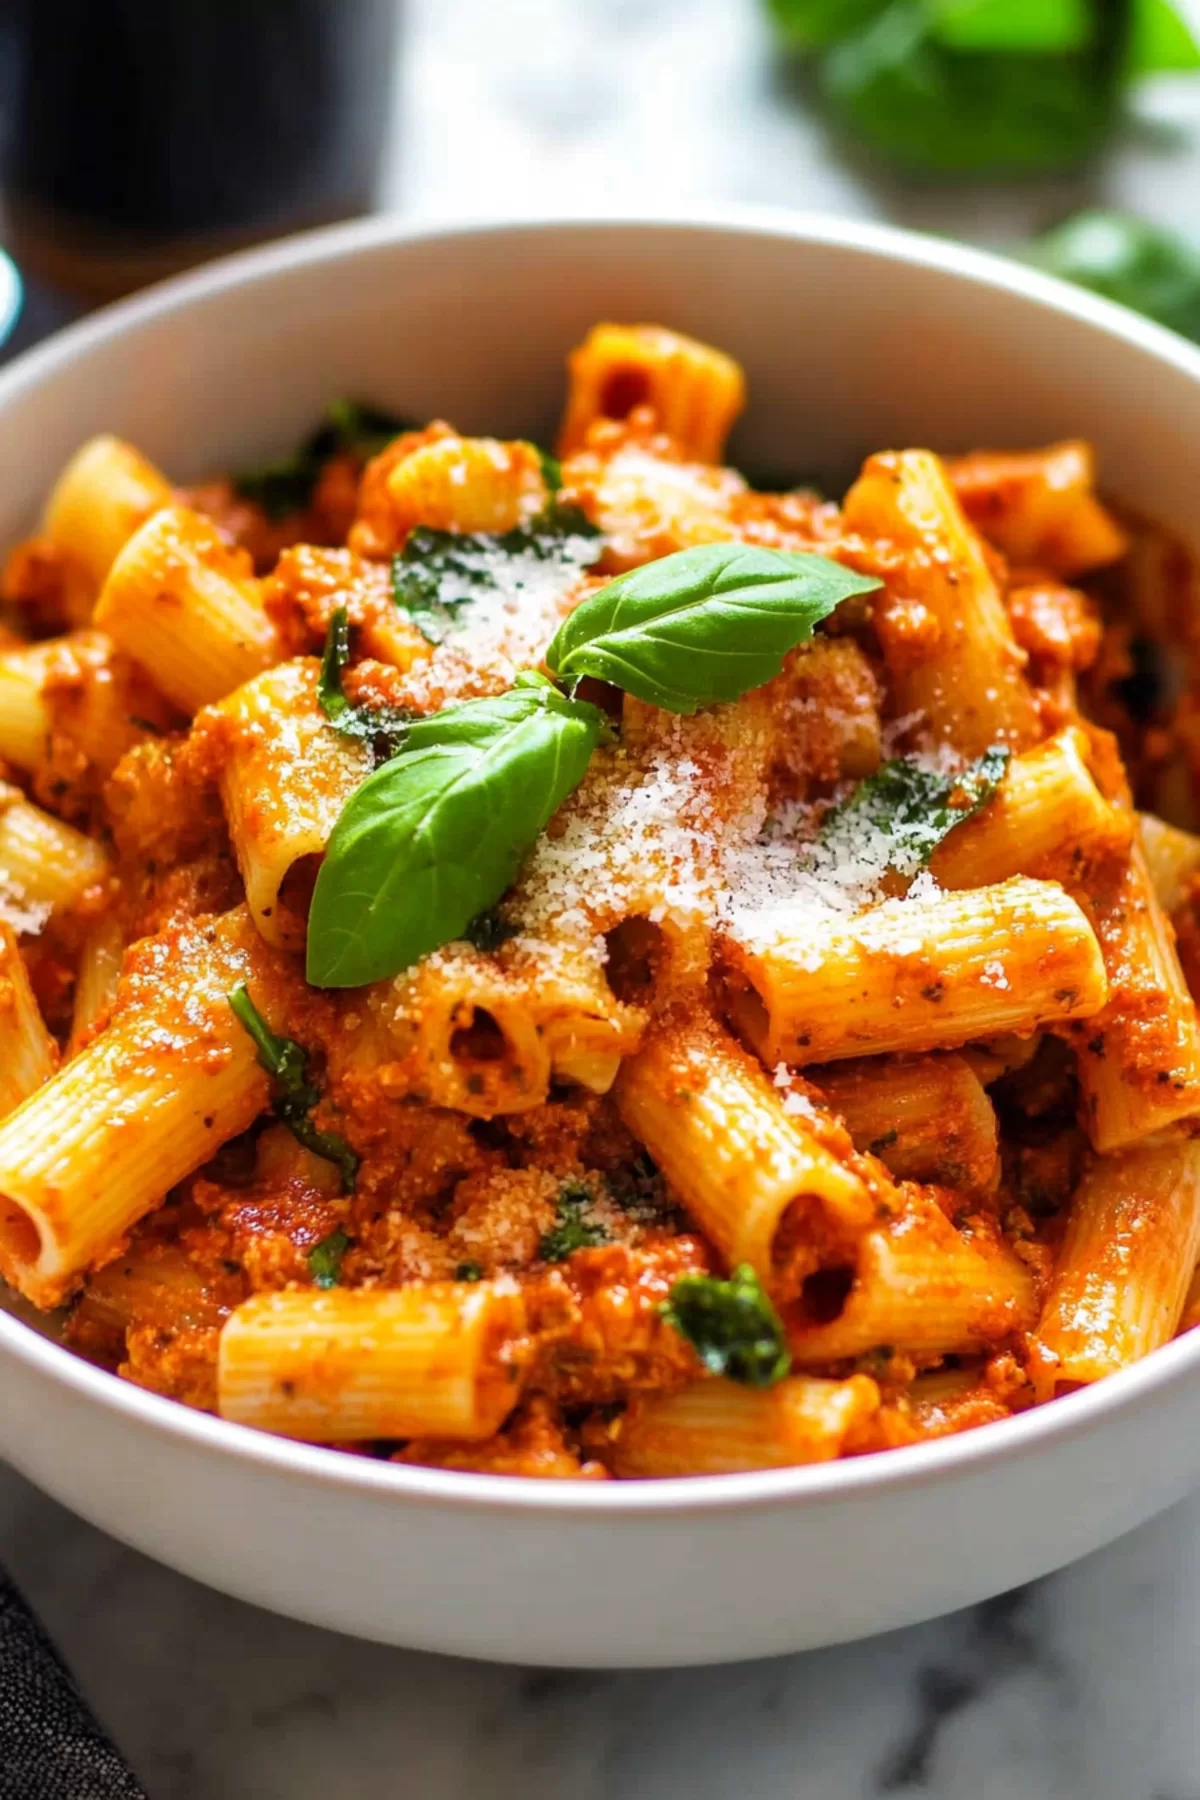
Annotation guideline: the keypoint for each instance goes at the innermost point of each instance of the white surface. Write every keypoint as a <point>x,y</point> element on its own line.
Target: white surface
<point>1086,1690</point>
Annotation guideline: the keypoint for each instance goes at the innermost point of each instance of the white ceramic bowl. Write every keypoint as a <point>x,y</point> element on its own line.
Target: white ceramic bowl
<point>853,338</point>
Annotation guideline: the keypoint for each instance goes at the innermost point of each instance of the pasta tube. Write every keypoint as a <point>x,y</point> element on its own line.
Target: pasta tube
<point>927,1117</point>
<point>1126,1260</point>
<point>172,1077</point>
<point>28,1055</point>
<point>107,490</point>
<point>183,605</point>
<point>908,975</point>
<point>1138,1058</point>
<point>440,1359</point>
<point>916,1285</point>
<point>719,1428</point>
<point>1047,818</point>
<point>741,1162</point>
<point>696,392</point>
<point>970,682</point>
<point>45,866</point>
<point>285,777</point>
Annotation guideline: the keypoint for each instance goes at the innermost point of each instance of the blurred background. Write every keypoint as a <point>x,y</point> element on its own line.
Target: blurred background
<point>136,138</point>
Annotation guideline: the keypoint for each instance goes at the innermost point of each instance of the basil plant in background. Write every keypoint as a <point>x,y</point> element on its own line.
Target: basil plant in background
<point>972,87</point>
<point>1126,259</point>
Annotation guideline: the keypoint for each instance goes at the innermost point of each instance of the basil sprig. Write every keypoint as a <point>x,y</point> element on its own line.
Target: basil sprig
<point>434,837</point>
<point>286,1062</point>
<point>702,625</point>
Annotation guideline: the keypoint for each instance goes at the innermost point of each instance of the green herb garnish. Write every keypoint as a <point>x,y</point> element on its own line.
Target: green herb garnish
<point>489,931</point>
<point>439,573</point>
<point>469,1271</point>
<point>701,625</point>
<point>572,1229</point>
<point>731,1325</point>
<point>287,1063</point>
<point>286,486</point>
<point>383,727</point>
<point>325,1259</point>
<point>433,838</point>
<point>913,807</point>
<point>1127,260</point>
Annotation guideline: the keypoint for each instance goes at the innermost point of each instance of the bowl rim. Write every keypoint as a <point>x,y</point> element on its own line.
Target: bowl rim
<point>914,1465</point>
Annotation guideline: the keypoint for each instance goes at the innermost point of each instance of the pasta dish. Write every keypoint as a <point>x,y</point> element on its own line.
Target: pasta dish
<point>586,965</point>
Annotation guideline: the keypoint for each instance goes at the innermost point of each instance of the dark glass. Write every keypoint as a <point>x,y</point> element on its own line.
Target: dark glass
<point>139,135</point>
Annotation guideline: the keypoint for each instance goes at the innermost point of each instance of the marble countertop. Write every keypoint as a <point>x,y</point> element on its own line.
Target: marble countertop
<point>1082,1687</point>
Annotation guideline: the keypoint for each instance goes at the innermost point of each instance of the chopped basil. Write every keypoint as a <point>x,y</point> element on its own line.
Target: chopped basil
<point>572,1229</point>
<point>440,573</point>
<point>383,727</point>
<point>731,1325</point>
<point>701,625</point>
<point>325,1259</point>
<point>286,485</point>
<point>468,1271</point>
<point>295,1096</point>
<point>488,931</point>
<point>913,806</point>
<point>433,838</point>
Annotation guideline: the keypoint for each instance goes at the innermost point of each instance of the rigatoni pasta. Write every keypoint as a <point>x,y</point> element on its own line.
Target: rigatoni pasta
<point>589,970</point>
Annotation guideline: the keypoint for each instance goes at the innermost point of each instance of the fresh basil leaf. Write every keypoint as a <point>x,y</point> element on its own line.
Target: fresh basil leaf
<point>731,1325</point>
<point>1161,42</point>
<point>285,486</point>
<point>917,102</point>
<point>287,1064</point>
<point>814,24</point>
<point>435,836</point>
<point>469,1271</point>
<point>383,727</point>
<point>913,806</point>
<point>439,573</point>
<point>325,1259</point>
<point>701,625</point>
<point>572,1229</point>
<point>1038,26</point>
<point>1128,260</point>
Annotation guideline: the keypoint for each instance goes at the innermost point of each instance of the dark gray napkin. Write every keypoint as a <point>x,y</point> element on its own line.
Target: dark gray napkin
<point>51,1747</point>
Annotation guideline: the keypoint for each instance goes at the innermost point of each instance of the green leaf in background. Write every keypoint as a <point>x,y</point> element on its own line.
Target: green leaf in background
<point>815,24</point>
<point>914,101</point>
<point>433,838</point>
<point>913,806</point>
<point>1128,260</point>
<point>701,625</point>
<point>286,485</point>
<point>439,573</point>
<point>731,1325</point>
<point>1160,41</point>
<point>1040,26</point>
